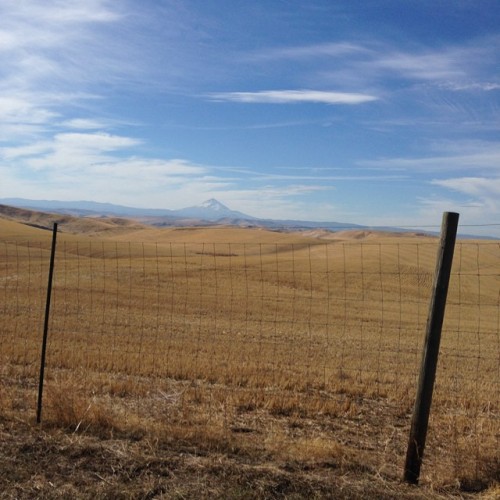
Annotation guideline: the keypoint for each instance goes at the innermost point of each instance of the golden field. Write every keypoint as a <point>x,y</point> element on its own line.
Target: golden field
<point>291,358</point>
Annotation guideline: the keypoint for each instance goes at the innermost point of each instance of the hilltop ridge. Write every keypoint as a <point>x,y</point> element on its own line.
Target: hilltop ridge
<point>209,212</point>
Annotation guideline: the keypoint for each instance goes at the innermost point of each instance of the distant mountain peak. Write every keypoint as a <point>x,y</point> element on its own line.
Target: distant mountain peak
<point>213,210</point>
<point>213,204</point>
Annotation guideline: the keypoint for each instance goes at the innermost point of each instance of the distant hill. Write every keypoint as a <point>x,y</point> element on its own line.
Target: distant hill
<point>68,223</point>
<point>84,208</point>
<point>16,222</point>
<point>210,212</point>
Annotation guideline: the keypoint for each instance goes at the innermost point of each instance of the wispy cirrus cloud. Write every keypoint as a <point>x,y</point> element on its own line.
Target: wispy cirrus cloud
<point>67,150</point>
<point>474,86</point>
<point>449,156</point>
<point>60,42</point>
<point>22,109</point>
<point>423,65</point>
<point>330,50</point>
<point>294,96</point>
<point>480,187</point>
<point>459,67</point>
<point>52,54</point>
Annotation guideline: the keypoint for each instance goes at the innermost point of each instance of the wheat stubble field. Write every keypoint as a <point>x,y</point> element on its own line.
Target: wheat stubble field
<point>241,363</point>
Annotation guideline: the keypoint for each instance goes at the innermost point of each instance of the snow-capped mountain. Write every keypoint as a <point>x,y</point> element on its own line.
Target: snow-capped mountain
<point>213,204</point>
<point>212,210</point>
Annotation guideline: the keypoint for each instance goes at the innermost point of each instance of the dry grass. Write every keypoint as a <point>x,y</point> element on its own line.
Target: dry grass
<point>261,364</point>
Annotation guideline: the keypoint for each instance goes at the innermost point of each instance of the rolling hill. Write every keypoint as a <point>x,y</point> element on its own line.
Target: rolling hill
<point>206,214</point>
<point>16,221</point>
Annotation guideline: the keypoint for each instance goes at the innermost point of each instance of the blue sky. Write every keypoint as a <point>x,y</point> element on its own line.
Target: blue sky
<point>378,112</point>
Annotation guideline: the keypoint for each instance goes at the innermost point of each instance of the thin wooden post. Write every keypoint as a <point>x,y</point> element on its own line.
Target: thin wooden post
<point>46,324</point>
<point>420,420</point>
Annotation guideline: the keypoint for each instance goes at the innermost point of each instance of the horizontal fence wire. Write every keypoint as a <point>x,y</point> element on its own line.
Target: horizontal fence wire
<point>298,343</point>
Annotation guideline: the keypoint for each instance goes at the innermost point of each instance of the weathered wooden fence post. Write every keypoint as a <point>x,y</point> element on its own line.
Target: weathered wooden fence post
<point>46,325</point>
<point>420,420</point>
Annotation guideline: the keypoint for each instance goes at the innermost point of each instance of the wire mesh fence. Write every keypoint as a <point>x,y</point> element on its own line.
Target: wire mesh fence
<point>308,348</point>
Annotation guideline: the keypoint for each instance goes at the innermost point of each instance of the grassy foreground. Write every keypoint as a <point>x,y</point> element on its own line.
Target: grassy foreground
<point>53,463</point>
<point>257,365</point>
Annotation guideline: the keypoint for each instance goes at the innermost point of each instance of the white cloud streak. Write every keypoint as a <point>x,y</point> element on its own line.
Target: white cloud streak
<point>474,86</point>
<point>338,49</point>
<point>84,124</point>
<point>294,96</point>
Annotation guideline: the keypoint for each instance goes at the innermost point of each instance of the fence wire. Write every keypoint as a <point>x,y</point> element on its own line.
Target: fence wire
<point>299,345</point>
